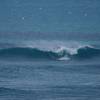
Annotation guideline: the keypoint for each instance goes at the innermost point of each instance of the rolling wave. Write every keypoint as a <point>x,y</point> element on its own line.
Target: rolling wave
<point>61,53</point>
<point>30,53</point>
<point>86,53</point>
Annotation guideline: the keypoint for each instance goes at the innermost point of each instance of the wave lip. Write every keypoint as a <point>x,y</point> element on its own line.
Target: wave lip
<point>61,53</point>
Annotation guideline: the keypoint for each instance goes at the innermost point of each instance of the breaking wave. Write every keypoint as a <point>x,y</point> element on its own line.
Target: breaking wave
<point>59,53</point>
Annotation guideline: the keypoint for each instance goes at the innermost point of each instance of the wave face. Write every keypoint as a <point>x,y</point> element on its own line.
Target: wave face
<point>29,53</point>
<point>61,53</point>
<point>86,53</point>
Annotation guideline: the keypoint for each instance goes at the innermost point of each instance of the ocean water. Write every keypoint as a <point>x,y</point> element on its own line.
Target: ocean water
<point>56,67</point>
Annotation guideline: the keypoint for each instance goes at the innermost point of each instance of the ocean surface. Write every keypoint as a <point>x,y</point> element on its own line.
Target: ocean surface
<point>49,66</point>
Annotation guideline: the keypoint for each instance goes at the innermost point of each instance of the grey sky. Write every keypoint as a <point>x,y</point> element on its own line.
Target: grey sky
<point>50,16</point>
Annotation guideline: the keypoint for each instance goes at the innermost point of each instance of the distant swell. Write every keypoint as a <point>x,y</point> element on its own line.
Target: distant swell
<point>35,53</point>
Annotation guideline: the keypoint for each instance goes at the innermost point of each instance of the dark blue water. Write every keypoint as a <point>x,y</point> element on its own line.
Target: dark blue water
<point>50,68</point>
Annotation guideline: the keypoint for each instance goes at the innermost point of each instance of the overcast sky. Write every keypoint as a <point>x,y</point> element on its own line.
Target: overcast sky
<point>50,16</point>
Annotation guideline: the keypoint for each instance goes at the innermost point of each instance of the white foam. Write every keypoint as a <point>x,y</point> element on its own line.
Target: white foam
<point>64,58</point>
<point>70,47</point>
